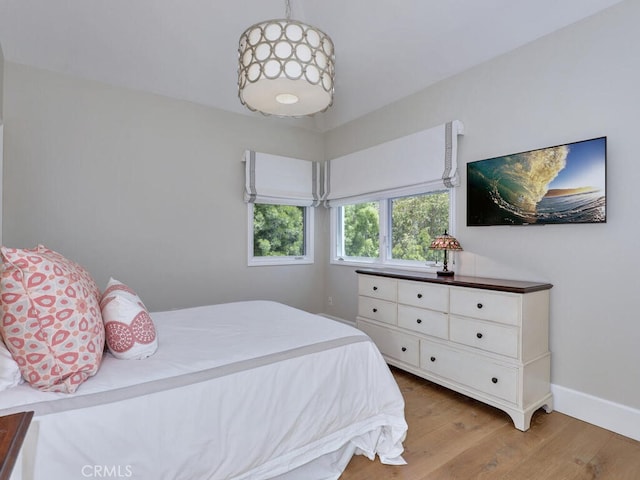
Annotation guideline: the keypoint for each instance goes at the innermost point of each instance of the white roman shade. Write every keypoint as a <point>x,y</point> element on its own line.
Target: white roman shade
<point>281,180</point>
<point>420,162</point>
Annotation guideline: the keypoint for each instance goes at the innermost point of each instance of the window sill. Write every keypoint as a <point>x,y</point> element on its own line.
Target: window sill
<point>274,261</point>
<point>417,267</point>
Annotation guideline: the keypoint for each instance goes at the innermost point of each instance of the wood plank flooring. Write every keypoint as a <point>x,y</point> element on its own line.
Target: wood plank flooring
<point>454,437</point>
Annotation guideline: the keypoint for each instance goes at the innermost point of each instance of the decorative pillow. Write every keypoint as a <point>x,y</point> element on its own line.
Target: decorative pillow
<point>51,318</point>
<point>129,329</point>
<point>10,375</point>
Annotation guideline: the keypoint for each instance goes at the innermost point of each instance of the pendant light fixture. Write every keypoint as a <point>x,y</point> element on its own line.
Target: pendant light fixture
<point>286,68</point>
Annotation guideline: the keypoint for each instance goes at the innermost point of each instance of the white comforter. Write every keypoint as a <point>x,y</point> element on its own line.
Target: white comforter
<point>248,390</point>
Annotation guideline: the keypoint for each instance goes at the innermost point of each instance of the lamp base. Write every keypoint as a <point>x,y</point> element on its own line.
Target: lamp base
<point>444,273</point>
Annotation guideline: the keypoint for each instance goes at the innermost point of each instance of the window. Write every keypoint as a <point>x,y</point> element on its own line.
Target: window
<point>390,200</point>
<point>280,234</point>
<point>281,194</point>
<point>395,231</point>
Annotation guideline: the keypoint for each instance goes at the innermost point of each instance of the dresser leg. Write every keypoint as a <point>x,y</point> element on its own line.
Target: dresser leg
<point>521,421</point>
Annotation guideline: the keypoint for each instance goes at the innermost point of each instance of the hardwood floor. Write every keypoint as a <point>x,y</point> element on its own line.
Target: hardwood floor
<point>454,437</point>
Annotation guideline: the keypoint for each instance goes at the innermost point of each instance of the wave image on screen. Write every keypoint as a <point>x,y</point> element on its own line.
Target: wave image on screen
<point>561,184</point>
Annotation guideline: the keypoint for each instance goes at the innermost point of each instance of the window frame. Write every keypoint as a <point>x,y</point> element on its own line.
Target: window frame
<point>306,259</point>
<point>385,235</point>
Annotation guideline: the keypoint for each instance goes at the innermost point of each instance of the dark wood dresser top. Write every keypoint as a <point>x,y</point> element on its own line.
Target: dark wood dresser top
<point>497,284</point>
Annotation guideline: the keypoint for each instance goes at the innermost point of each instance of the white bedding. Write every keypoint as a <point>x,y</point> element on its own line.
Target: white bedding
<point>248,390</point>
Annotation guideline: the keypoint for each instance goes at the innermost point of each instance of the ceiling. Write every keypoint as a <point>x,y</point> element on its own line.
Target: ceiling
<point>187,49</point>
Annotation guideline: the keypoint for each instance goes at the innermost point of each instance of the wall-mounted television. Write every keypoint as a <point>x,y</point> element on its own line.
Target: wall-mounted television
<point>553,185</point>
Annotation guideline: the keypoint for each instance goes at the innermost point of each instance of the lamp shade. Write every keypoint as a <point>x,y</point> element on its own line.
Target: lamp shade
<point>286,68</point>
<point>445,242</point>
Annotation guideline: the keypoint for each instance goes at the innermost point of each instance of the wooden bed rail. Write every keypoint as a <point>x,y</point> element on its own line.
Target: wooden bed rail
<point>13,429</point>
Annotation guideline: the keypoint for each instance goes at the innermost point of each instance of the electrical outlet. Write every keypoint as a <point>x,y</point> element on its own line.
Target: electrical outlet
<point>330,300</point>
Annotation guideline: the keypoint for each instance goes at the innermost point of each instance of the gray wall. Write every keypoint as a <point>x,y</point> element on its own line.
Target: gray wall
<point>579,83</point>
<point>1,133</point>
<point>1,80</point>
<point>144,188</point>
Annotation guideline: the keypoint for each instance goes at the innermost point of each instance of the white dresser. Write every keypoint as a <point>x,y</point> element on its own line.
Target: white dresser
<point>485,338</point>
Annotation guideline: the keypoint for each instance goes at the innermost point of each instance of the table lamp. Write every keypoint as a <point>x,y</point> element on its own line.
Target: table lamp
<point>445,242</point>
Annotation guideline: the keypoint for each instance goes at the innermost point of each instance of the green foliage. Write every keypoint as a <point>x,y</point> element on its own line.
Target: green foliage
<point>416,221</point>
<point>278,230</point>
<point>361,230</point>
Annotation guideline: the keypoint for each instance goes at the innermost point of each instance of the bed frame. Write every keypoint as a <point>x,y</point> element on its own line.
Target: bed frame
<point>13,429</point>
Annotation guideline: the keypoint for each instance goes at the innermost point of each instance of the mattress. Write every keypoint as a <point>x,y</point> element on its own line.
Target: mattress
<point>246,390</point>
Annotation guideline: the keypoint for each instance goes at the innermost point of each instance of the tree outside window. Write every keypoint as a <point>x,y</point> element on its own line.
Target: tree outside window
<point>278,230</point>
<point>405,226</point>
<point>280,234</point>
<point>415,222</point>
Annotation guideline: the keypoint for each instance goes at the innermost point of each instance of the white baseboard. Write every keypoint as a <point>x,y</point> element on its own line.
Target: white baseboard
<point>338,319</point>
<point>597,411</point>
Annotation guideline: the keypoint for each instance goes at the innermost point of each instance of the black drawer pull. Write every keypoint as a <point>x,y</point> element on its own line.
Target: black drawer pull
<point>375,288</point>
<point>404,349</point>
<point>419,320</point>
<point>375,310</point>
<point>479,335</point>
<point>419,295</point>
<point>479,305</point>
<point>433,359</point>
<point>494,380</point>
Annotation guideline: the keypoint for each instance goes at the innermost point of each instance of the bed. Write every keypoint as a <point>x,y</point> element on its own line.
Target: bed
<point>246,390</point>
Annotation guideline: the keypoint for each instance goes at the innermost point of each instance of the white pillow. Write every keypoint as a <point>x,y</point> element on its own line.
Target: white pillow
<point>130,332</point>
<point>10,375</point>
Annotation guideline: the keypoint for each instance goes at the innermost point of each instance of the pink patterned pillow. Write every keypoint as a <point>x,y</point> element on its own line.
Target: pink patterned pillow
<point>130,332</point>
<point>51,318</point>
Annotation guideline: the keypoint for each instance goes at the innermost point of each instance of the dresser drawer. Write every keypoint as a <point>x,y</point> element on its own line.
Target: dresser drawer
<point>377,309</point>
<point>492,337</point>
<point>469,370</point>
<point>423,295</point>
<point>378,287</point>
<point>423,321</point>
<point>393,344</point>
<point>497,306</point>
